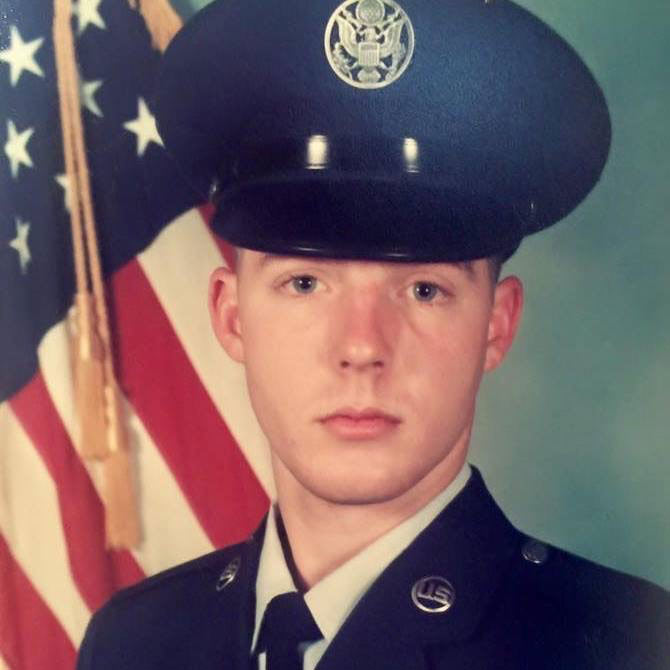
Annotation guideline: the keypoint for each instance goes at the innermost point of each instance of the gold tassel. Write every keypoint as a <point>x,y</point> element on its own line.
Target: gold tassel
<point>161,20</point>
<point>89,382</point>
<point>121,518</point>
<point>94,346</point>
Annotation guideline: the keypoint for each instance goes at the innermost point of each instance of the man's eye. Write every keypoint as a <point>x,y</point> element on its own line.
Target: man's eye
<point>425,291</point>
<point>304,283</point>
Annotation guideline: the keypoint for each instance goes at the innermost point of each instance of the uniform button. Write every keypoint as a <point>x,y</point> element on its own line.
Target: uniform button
<point>535,551</point>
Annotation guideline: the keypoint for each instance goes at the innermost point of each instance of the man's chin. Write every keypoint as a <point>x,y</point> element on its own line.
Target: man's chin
<point>357,493</point>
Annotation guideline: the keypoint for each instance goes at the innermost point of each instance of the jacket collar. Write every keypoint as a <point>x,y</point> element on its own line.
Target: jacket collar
<point>470,544</point>
<point>236,602</point>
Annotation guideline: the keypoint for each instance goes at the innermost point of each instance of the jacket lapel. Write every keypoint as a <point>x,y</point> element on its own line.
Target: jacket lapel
<point>227,642</point>
<point>470,545</point>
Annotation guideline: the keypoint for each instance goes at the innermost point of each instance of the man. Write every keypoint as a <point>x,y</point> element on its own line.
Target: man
<point>374,163</point>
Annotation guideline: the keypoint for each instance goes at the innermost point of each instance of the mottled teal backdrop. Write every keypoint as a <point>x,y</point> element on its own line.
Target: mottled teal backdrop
<point>572,433</point>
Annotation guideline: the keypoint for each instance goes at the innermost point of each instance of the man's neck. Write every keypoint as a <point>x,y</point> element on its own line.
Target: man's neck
<point>322,535</point>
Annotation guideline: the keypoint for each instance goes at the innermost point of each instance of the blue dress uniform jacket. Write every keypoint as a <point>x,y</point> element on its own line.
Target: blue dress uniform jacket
<point>517,604</point>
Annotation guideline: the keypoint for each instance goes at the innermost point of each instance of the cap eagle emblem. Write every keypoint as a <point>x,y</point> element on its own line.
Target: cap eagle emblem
<point>369,43</point>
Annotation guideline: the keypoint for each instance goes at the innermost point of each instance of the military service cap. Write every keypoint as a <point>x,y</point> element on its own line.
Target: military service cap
<point>410,130</point>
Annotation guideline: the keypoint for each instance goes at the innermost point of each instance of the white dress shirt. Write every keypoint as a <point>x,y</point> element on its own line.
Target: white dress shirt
<point>333,598</point>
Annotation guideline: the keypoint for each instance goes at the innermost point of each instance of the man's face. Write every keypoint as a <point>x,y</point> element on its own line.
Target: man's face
<point>322,341</point>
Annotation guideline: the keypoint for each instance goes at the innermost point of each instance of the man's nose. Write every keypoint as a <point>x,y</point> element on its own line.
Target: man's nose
<point>365,333</point>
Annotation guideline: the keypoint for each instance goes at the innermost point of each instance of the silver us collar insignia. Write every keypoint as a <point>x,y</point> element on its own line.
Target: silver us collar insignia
<point>369,43</point>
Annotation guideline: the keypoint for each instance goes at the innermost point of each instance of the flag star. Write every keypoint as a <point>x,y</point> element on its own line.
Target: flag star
<point>20,56</point>
<point>15,147</point>
<point>144,126</point>
<point>64,182</point>
<point>87,12</point>
<point>87,91</point>
<point>20,243</point>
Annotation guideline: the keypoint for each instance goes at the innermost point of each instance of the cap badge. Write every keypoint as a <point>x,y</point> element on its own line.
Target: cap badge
<point>369,43</point>
<point>433,594</point>
<point>229,574</point>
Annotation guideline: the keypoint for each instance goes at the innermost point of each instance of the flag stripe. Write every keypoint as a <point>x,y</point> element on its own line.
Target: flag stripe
<point>199,457</point>
<point>30,514</point>
<point>164,512</point>
<point>178,265</point>
<point>31,638</point>
<point>226,250</point>
<point>97,572</point>
<point>197,445</point>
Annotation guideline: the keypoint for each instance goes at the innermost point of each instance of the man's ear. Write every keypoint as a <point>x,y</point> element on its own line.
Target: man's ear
<point>224,312</point>
<point>504,320</point>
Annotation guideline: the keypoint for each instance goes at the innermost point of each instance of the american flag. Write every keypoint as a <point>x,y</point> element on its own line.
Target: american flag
<point>200,459</point>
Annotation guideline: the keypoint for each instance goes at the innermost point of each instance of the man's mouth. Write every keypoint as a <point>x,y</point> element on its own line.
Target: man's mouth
<point>350,423</point>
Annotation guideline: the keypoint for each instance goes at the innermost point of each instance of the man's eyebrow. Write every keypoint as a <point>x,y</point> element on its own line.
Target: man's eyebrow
<point>268,259</point>
<point>468,267</point>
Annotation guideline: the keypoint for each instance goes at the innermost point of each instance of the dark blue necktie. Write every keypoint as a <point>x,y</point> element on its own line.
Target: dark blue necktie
<point>287,623</point>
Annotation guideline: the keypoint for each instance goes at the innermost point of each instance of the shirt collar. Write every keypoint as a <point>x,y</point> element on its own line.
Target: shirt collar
<point>333,598</point>
<point>273,577</point>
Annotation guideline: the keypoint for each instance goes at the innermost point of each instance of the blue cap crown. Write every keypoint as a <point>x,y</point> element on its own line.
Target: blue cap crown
<point>417,130</point>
